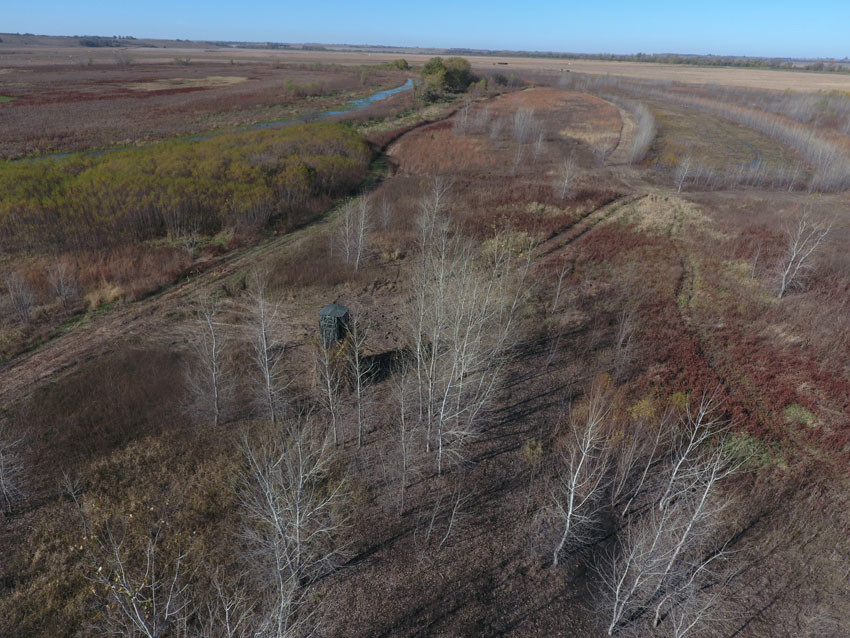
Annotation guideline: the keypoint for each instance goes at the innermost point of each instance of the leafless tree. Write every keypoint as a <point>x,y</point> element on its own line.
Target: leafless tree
<point>74,489</point>
<point>208,375</point>
<point>694,609</point>
<point>386,213</point>
<point>408,432</point>
<point>21,298</point>
<point>755,261</point>
<point>62,285</point>
<point>295,517</point>
<point>582,470</point>
<point>645,133</point>
<point>627,571</point>
<point>567,175</point>
<point>496,127</point>
<point>360,369</point>
<point>523,125</point>
<point>663,556</point>
<point>464,307</point>
<point>640,449</point>
<point>697,514</point>
<point>682,171</point>
<point>539,147</point>
<point>462,119</point>
<point>228,614</point>
<point>11,470</point>
<point>700,425</point>
<point>142,598</point>
<point>355,230</point>
<point>264,335</point>
<point>804,238</point>
<point>566,267</point>
<point>330,378</point>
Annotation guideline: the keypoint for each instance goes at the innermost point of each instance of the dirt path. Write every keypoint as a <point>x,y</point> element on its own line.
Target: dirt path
<point>628,132</point>
<point>150,319</point>
<point>583,225</point>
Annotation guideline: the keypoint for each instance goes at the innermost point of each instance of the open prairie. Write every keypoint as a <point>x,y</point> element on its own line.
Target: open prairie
<point>584,388</point>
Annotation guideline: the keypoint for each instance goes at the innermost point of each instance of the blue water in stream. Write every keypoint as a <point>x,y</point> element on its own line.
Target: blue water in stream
<point>350,107</point>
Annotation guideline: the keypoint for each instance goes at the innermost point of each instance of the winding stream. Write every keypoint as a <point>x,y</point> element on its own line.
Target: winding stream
<point>350,107</point>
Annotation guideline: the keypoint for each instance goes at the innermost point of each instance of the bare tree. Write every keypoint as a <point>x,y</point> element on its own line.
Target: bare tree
<point>582,470</point>
<point>386,213</point>
<point>694,609</point>
<point>264,335</point>
<point>627,571</point>
<point>645,133</point>
<point>637,453</point>
<point>208,376</point>
<point>295,518</point>
<point>143,597</point>
<point>21,298</point>
<point>355,230</point>
<point>697,514</point>
<point>360,369</point>
<point>567,174</point>
<point>663,556</point>
<point>539,147</point>
<point>228,613</point>
<point>523,125</point>
<point>682,171</point>
<point>74,489</point>
<point>464,307</point>
<point>700,425</point>
<point>62,284</point>
<point>566,267</point>
<point>330,379</point>
<point>11,470</point>
<point>804,239</point>
<point>408,433</point>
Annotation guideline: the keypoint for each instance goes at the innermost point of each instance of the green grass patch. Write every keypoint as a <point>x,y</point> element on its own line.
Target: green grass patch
<point>6,98</point>
<point>753,452</point>
<point>796,413</point>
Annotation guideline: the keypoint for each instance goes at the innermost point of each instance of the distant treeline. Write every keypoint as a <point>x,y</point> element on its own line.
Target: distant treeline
<point>836,66</point>
<point>240,181</point>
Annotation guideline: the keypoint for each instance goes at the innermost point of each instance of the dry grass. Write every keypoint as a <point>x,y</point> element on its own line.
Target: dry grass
<point>209,82</point>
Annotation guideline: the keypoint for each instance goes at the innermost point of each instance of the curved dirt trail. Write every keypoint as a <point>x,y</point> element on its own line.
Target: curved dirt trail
<point>628,133</point>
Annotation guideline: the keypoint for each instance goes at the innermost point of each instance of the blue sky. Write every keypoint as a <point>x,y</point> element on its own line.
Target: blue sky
<point>818,28</point>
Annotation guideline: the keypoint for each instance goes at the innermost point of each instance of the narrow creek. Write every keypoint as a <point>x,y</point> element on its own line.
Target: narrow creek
<point>351,106</point>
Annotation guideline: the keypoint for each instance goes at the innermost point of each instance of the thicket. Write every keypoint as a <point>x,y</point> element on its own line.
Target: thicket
<point>241,181</point>
<point>450,75</point>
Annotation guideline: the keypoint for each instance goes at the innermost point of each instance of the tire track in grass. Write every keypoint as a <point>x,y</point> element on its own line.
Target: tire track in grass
<point>583,225</point>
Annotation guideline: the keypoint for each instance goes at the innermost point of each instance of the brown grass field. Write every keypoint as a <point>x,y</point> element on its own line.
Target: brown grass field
<point>62,104</point>
<point>688,273</point>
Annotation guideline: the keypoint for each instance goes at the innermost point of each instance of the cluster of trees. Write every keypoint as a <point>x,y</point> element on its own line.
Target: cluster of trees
<point>449,75</point>
<point>656,475</point>
<point>294,498</point>
<point>172,188</point>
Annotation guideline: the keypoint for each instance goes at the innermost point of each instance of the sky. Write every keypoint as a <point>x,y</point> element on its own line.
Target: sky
<point>772,28</point>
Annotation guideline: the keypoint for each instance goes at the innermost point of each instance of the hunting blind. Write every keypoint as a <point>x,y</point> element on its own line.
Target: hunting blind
<point>333,323</point>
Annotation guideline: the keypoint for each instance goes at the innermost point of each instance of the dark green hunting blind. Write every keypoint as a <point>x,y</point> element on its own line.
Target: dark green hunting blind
<point>333,323</point>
